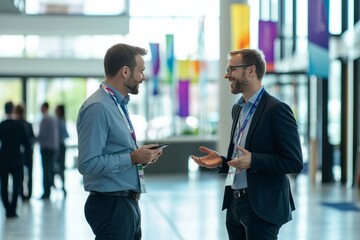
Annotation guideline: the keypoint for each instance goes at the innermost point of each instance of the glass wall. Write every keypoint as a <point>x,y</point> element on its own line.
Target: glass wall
<point>185,99</point>
<point>293,89</point>
<point>67,91</point>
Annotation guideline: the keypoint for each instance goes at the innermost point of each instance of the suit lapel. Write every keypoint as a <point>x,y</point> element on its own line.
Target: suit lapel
<point>236,116</point>
<point>235,113</point>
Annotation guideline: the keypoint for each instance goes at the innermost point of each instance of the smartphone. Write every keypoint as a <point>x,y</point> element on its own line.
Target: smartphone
<point>161,145</point>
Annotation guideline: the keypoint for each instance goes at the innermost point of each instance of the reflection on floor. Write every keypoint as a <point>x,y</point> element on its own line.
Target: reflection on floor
<point>185,208</point>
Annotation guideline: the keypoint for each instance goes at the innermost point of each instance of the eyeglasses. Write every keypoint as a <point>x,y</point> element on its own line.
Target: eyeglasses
<point>230,69</point>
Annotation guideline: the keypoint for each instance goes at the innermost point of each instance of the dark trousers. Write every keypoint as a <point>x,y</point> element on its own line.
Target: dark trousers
<point>60,163</point>
<point>47,159</point>
<point>27,177</point>
<point>16,173</point>
<point>243,224</point>
<point>113,218</point>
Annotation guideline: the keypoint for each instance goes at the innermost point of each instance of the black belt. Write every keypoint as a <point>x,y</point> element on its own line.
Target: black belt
<point>130,194</point>
<point>239,193</point>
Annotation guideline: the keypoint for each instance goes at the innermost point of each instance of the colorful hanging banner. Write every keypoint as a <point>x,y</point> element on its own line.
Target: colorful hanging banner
<point>195,68</point>
<point>240,26</point>
<point>169,58</point>
<point>318,37</point>
<point>183,95</point>
<point>155,63</point>
<point>183,69</point>
<point>267,36</point>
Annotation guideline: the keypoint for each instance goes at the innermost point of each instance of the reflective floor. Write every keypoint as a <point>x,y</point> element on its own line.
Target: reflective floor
<point>185,208</point>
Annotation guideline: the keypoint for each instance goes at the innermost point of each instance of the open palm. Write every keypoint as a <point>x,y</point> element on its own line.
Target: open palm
<point>211,160</point>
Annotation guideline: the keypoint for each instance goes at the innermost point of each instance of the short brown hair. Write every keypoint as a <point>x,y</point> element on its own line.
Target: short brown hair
<point>20,111</point>
<point>254,57</point>
<point>121,55</point>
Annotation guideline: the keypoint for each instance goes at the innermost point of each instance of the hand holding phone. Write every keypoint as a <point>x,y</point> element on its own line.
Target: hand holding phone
<point>161,145</point>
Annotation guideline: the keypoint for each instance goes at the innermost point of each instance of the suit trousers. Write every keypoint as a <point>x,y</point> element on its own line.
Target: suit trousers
<point>47,158</point>
<point>113,217</point>
<point>242,222</point>
<point>16,173</point>
<point>27,178</point>
<point>60,163</point>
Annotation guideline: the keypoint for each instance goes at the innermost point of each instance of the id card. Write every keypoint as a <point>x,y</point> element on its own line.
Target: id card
<point>140,170</point>
<point>232,170</point>
<point>230,176</point>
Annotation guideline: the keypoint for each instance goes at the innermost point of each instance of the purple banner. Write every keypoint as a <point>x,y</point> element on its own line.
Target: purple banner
<point>183,94</point>
<point>318,35</point>
<point>267,35</point>
<point>318,22</point>
<point>155,58</point>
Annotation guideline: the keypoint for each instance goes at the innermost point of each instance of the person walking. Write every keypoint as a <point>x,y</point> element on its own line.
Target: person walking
<point>264,147</point>
<point>49,142</point>
<point>109,158</point>
<point>12,137</point>
<point>61,153</point>
<point>27,154</point>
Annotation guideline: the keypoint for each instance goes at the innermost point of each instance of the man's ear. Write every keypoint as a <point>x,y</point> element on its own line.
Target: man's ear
<point>125,71</point>
<point>252,70</point>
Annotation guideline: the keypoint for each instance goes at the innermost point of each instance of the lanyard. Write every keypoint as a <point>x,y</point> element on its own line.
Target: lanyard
<point>232,170</point>
<point>122,110</point>
<point>252,110</point>
<point>125,115</point>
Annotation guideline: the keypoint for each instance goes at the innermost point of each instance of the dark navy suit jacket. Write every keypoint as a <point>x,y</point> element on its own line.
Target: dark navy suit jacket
<point>12,137</point>
<point>274,143</point>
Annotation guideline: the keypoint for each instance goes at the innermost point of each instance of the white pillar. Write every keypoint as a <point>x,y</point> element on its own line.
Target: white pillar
<point>226,98</point>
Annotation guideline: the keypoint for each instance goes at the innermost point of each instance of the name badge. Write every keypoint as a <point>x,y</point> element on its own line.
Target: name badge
<point>230,176</point>
<point>140,170</point>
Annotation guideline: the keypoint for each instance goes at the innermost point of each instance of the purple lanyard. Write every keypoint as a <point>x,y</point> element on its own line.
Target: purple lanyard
<point>122,110</point>
<point>252,110</point>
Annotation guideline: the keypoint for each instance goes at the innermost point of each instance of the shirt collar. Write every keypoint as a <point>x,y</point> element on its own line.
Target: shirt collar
<point>123,100</point>
<point>252,99</point>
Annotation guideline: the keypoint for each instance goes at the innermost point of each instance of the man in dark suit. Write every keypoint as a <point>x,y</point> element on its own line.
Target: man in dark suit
<point>26,187</point>
<point>264,147</point>
<point>12,137</point>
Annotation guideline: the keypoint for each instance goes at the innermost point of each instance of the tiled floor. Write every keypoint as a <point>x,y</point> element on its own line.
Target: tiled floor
<point>184,208</point>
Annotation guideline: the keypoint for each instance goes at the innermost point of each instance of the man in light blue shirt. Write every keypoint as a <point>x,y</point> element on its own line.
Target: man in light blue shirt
<point>49,143</point>
<point>109,159</point>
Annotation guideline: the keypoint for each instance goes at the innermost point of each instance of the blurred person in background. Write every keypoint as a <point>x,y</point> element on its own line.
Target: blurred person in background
<point>27,154</point>
<point>61,153</point>
<point>49,143</point>
<point>13,138</point>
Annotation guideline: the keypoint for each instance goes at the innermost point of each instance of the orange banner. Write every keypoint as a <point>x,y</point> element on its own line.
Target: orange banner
<point>240,26</point>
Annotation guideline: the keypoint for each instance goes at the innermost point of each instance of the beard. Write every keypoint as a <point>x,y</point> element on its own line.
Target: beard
<point>132,85</point>
<point>239,85</point>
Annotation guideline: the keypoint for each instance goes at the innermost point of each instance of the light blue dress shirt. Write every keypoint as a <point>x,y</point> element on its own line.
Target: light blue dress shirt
<point>105,144</point>
<point>48,133</point>
<point>240,181</point>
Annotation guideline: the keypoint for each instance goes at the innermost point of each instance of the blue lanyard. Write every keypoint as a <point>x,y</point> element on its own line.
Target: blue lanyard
<point>122,110</point>
<point>252,110</point>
